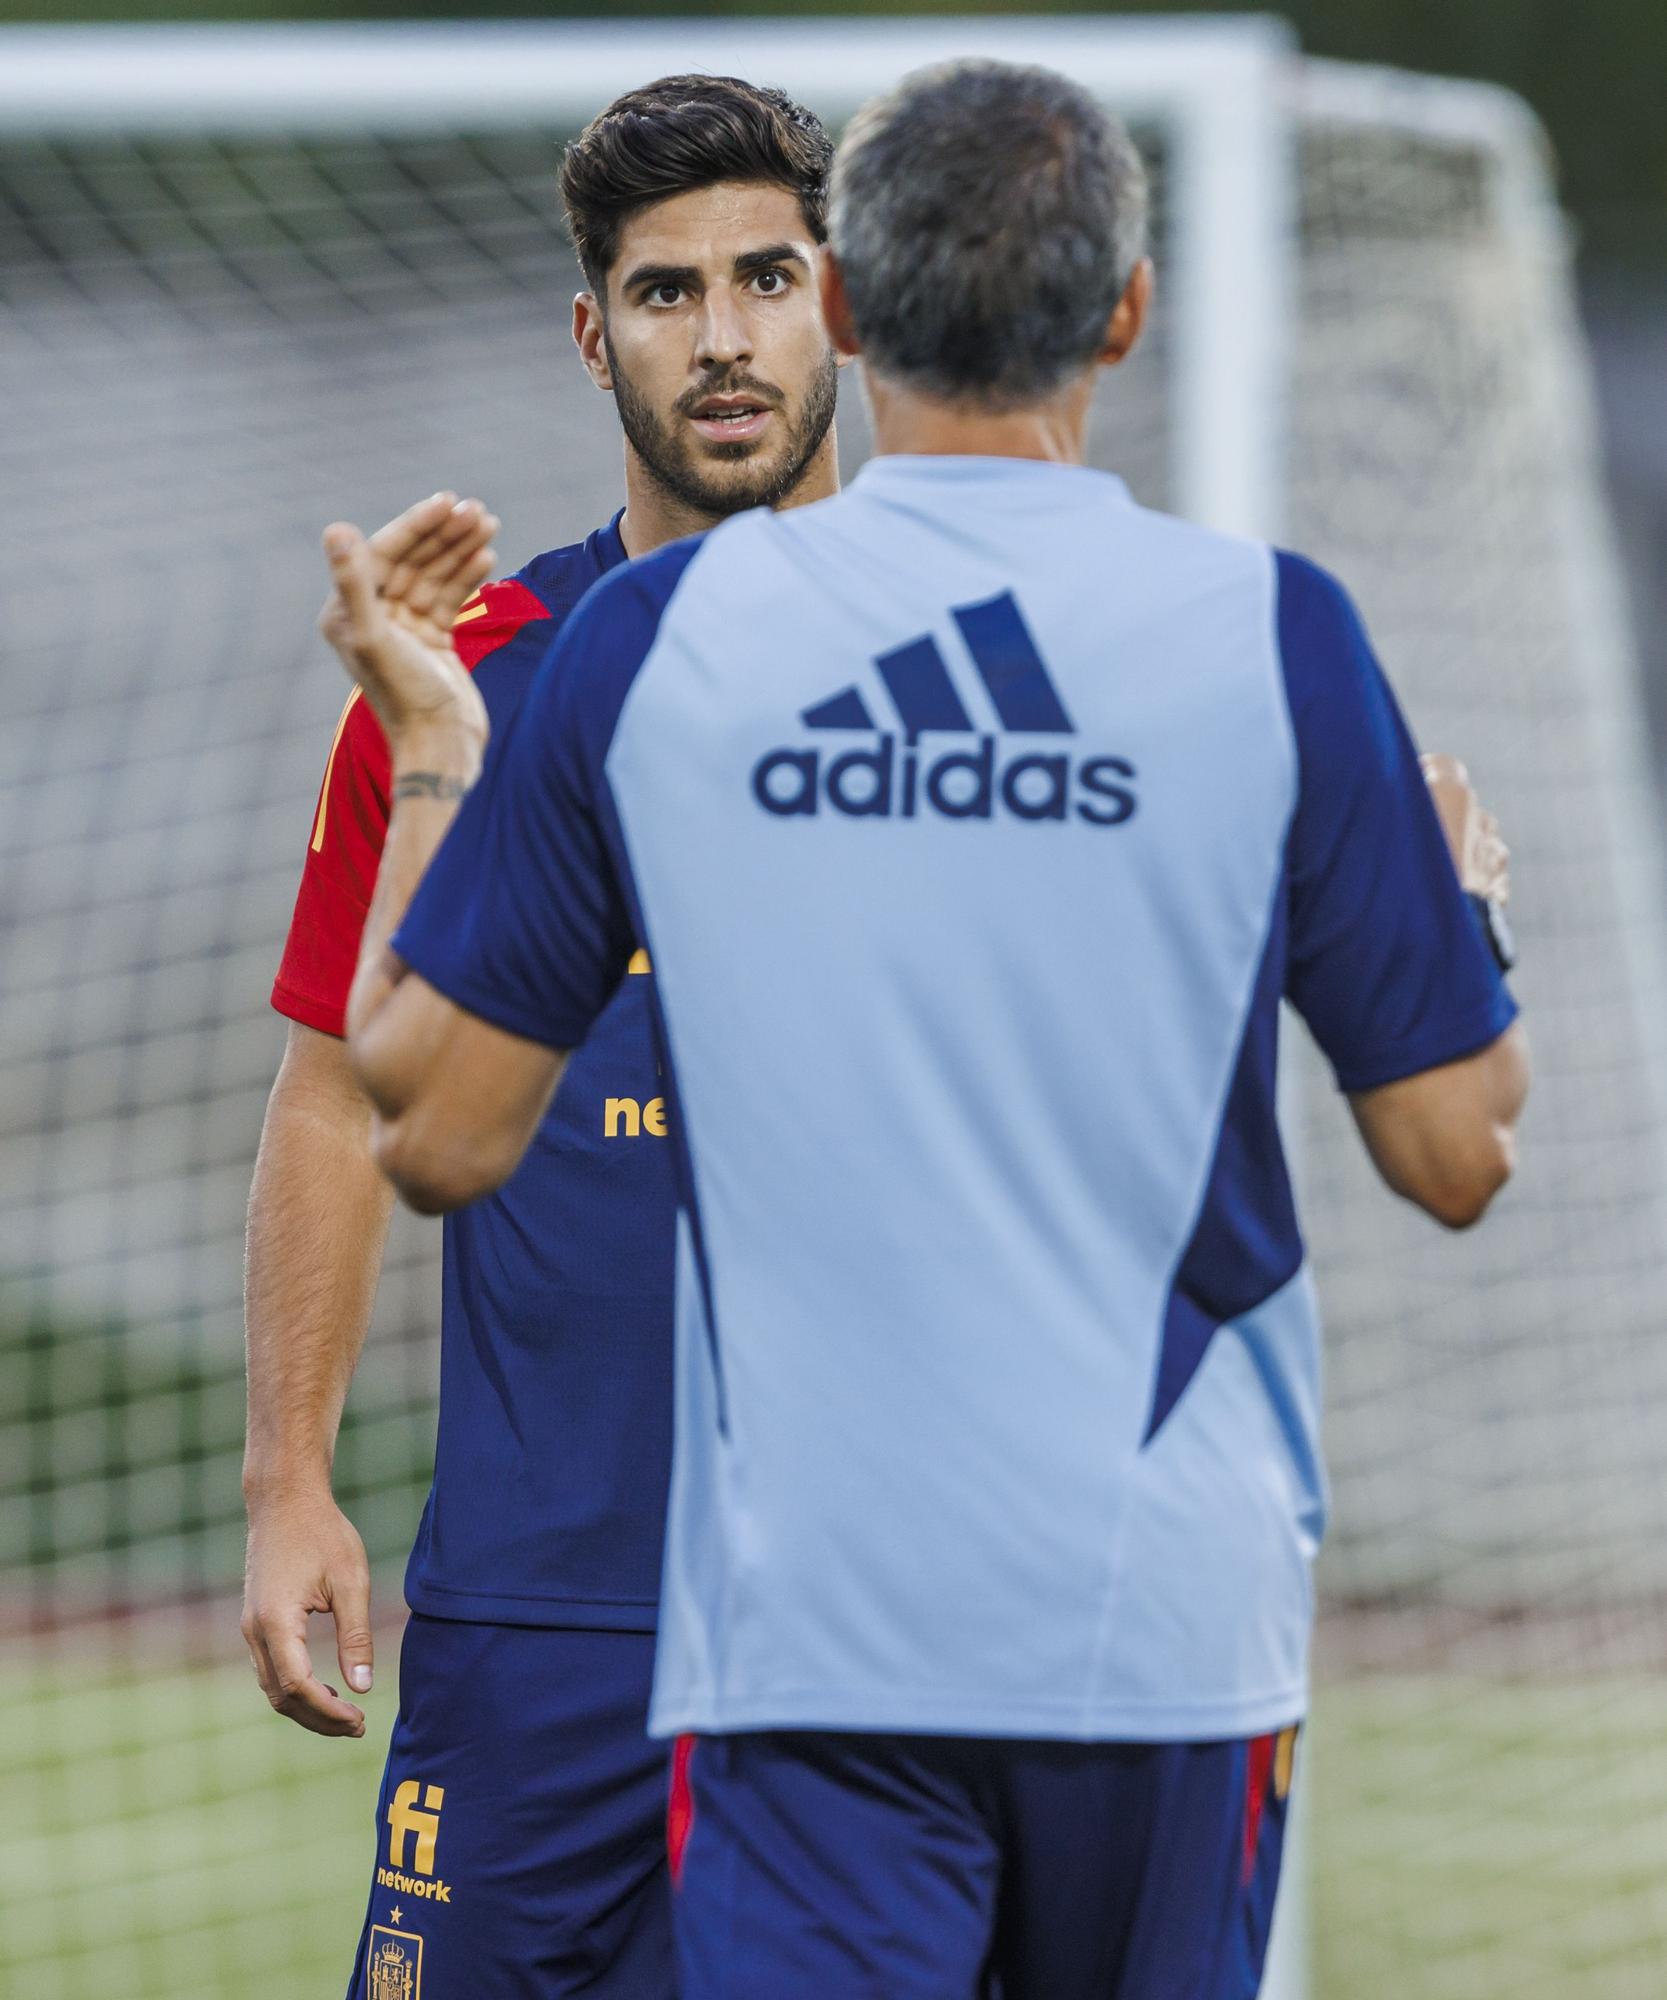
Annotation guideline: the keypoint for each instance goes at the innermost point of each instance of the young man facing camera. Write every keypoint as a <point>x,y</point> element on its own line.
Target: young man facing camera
<point>520,1831</point>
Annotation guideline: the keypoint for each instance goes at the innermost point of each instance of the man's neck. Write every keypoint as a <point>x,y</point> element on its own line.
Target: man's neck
<point>654,517</point>
<point>920,426</point>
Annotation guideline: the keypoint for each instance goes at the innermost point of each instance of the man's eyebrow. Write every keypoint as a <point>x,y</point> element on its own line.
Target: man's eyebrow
<point>661,274</point>
<point>774,253</point>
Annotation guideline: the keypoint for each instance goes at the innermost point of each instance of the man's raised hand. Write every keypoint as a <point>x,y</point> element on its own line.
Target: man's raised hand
<point>390,610</point>
<point>1480,855</point>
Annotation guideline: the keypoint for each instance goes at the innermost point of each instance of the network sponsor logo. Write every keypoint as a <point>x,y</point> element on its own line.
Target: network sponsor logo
<point>631,1118</point>
<point>420,1825</point>
<point>895,778</point>
<point>413,1885</point>
<point>635,1117</point>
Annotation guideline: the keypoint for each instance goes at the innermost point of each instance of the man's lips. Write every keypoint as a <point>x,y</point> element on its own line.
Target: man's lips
<point>730,419</point>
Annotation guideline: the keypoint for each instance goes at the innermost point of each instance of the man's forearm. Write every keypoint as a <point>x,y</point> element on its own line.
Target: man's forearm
<point>1508,1073</point>
<point>432,772</point>
<point>318,1222</point>
<point>445,1131</point>
<point>1446,1138</point>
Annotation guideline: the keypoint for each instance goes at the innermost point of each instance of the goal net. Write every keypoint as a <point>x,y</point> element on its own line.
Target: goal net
<point>240,300</point>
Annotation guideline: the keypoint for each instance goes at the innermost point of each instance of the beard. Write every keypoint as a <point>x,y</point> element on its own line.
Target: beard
<point>726,478</point>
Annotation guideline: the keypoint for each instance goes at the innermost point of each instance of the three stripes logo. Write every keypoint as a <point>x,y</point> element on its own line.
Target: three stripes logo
<point>895,778</point>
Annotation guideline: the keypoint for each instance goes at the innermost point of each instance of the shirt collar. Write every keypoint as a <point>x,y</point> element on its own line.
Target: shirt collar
<point>910,472</point>
<point>608,545</point>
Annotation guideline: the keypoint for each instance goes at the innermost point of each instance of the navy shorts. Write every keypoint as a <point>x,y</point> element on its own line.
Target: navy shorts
<point>843,1867</point>
<point>521,1828</point>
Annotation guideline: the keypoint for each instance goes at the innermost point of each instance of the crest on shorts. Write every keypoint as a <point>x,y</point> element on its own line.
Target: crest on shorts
<point>395,1966</point>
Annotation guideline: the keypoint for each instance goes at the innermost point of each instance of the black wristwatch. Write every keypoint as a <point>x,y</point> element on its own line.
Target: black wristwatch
<point>1495,927</point>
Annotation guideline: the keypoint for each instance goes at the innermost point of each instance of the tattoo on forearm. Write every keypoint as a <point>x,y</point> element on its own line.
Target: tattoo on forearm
<point>429,785</point>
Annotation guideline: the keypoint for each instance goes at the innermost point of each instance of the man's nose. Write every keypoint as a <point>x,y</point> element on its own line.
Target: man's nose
<point>724,337</point>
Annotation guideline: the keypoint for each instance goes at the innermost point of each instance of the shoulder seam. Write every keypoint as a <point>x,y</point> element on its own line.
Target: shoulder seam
<point>478,641</point>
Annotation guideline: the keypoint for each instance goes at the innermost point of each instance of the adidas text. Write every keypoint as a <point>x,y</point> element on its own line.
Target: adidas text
<point>898,781</point>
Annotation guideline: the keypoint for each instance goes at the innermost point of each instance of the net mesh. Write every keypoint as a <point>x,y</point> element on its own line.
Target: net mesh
<point>1495,1808</point>
<point>209,348</point>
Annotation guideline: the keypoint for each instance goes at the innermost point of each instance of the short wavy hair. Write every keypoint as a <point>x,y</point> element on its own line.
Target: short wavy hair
<point>682,133</point>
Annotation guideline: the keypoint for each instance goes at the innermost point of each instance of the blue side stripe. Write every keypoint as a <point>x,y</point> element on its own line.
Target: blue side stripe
<point>1005,654</point>
<point>919,684</point>
<point>1245,1245</point>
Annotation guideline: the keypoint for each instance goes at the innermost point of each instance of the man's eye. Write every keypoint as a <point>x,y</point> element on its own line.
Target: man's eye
<point>771,282</point>
<point>665,295</point>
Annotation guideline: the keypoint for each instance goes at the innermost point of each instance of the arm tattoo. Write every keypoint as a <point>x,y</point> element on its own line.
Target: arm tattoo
<point>429,785</point>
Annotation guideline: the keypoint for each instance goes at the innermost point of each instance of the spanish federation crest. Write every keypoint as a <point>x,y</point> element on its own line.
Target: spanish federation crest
<point>395,1965</point>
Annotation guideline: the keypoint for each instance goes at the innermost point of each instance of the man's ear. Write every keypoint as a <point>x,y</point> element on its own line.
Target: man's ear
<point>1128,319</point>
<point>590,338</point>
<point>836,308</point>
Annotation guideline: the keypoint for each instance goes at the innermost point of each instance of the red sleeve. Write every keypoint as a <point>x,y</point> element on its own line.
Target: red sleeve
<point>493,616</point>
<point>350,824</point>
<point>338,876</point>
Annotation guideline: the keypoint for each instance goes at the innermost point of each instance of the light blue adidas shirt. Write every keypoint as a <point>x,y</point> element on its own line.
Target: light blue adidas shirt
<point>976,821</point>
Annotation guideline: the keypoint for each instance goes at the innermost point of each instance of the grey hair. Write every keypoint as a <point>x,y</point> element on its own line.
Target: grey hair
<point>987,219</point>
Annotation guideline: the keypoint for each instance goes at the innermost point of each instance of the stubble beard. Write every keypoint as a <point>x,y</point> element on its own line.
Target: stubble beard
<point>669,455</point>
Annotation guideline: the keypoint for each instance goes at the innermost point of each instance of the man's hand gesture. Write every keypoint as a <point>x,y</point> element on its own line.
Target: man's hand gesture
<point>1479,852</point>
<point>390,611</point>
<point>305,1556</point>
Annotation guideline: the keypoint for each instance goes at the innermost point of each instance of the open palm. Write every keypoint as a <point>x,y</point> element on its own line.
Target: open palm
<point>390,611</point>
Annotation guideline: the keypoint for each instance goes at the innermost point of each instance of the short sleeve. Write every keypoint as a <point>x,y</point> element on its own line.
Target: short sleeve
<point>525,916</point>
<point>338,877</point>
<point>1386,963</point>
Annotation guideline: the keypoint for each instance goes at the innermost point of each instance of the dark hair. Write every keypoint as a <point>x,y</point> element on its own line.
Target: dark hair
<point>687,132</point>
<point>987,219</point>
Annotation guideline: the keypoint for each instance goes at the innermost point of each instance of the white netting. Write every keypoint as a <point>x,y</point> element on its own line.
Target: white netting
<point>1495,1807</point>
<point>207,349</point>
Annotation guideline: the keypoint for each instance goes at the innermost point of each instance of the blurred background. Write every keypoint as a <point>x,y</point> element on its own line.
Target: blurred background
<point>212,340</point>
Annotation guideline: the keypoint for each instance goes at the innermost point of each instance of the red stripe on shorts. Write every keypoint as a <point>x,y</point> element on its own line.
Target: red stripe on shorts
<point>1256,1792</point>
<point>680,1807</point>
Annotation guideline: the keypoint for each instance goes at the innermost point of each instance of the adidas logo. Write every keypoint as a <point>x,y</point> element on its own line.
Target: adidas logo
<point>895,778</point>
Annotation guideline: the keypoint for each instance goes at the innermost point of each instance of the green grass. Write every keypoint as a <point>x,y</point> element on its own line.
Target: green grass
<point>166,1835</point>
<point>166,1838</point>
<point>1486,1840</point>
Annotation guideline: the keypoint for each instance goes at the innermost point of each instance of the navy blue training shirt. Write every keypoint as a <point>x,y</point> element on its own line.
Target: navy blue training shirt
<point>554,1443</point>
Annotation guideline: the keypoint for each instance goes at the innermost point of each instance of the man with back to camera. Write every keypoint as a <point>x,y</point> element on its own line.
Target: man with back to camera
<point>976,820</point>
<point>520,1827</point>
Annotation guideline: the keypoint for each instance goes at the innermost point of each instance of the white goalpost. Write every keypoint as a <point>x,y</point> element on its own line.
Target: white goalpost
<point>1213,84</point>
<point>254,278</point>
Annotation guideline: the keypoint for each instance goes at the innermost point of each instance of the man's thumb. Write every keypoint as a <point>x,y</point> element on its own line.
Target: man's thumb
<point>1440,768</point>
<point>354,1647</point>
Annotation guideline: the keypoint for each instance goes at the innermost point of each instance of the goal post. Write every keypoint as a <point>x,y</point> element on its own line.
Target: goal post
<point>254,278</point>
<point>1214,84</point>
